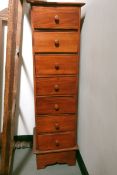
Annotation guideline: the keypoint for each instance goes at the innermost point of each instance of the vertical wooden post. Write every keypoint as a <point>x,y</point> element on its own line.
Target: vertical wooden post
<point>1,61</point>
<point>11,83</point>
<point>3,19</point>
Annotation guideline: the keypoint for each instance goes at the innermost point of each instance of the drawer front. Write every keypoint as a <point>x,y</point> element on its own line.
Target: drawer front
<point>55,123</point>
<point>56,64</point>
<point>56,141</point>
<point>55,105</point>
<point>56,86</point>
<point>56,42</point>
<point>55,17</point>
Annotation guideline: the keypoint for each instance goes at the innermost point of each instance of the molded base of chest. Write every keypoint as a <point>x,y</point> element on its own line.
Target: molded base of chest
<point>51,157</point>
<point>68,157</point>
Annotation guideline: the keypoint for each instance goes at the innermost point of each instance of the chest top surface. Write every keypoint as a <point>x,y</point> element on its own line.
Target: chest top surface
<point>38,2</point>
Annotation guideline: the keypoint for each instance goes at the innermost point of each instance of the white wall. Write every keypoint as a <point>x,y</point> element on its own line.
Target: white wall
<point>3,4</point>
<point>98,88</point>
<point>26,95</point>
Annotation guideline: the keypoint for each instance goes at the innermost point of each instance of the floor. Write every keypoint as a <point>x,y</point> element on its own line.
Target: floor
<point>25,164</point>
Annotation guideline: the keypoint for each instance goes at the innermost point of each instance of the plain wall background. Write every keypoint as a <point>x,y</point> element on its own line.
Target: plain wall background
<point>97,131</point>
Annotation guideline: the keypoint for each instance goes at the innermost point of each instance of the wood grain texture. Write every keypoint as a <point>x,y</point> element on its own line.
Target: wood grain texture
<point>56,141</point>
<point>56,123</point>
<point>1,73</point>
<point>46,41</point>
<point>47,64</point>
<point>4,14</point>
<point>44,3</point>
<point>55,17</point>
<point>56,47</point>
<point>61,157</point>
<point>37,151</point>
<point>11,82</point>
<point>56,85</point>
<point>3,20</point>
<point>55,105</point>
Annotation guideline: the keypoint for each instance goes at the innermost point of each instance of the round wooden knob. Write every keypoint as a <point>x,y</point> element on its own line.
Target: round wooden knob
<point>57,67</point>
<point>56,87</point>
<point>56,42</point>
<point>57,127</point>
<point>56,18</point>
<point>57,143</point>
<point>56,107</point>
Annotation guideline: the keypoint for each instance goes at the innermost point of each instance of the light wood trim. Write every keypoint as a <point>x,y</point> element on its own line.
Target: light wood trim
<point>4,14</point>
<point>11,81</point>
<point>3,18</point>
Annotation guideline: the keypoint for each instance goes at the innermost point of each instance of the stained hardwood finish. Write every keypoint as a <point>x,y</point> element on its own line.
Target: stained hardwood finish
<point>55,17</point>
<point>55,105</point>
<point>11,84</point>
<point>56,64</point>
<point>56,85</point>
<point>59,157</point>
<point>55,42</point>
<point>4,15</point>
<point>54,3</point>
<point>56,141</point>
<point>56,123</point>
<point>56,47</point>
<point>3,19</point>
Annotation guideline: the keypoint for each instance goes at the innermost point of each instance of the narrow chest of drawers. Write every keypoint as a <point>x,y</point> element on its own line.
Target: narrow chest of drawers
<point>56,48</point>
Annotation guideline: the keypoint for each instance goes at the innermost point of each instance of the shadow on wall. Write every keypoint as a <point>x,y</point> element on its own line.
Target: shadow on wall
<point>24,66</point>
<point>83,13</point>
<point>2,71</point>
<point>82,21</point>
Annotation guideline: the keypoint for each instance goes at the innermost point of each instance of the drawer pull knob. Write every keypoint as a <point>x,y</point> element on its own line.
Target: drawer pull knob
<point>56,42</point>
<point>56,107</point>
<point>56,18</point>
<point>56,88</point>
<point>57,127</point>
<point>57,67</point>
<point>57,143</point>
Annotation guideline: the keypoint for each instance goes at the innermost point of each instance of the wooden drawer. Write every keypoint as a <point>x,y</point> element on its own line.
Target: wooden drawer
<point>56,42</point>
<point>55,17</point>
<point>55,123</point>
<point>55,105</point>
<point>56,86</point>
<point>56,141</point>
<point>56,64</point>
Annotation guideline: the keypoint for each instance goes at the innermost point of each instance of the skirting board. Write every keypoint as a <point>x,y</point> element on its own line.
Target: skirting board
<point>81,163</point>
<point>24,141</point>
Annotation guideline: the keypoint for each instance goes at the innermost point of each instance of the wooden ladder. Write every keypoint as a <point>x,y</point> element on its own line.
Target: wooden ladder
<point>13,16</point>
